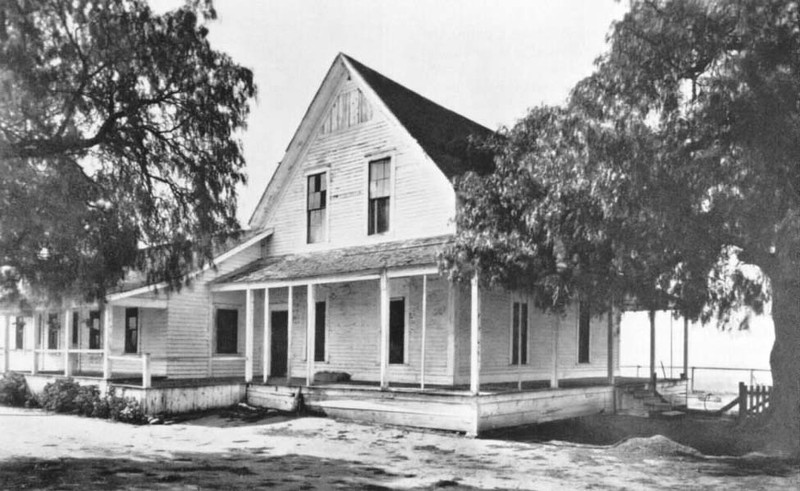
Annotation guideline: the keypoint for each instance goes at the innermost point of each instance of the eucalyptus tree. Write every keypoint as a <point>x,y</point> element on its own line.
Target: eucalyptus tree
<point>118,131</point>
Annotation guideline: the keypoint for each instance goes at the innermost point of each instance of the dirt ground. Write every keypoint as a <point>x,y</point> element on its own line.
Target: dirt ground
<point>232,450</point>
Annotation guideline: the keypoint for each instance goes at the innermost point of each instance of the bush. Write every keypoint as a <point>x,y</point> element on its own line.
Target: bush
<point>13,389</point>
<point>67,396</point>
<point>60,396</point>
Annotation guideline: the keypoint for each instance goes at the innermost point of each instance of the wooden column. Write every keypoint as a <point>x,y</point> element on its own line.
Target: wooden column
<point>266,349</point>
<point>68,327</point>
<point>519,345</point>
<point>290,323</point>
<point>424,331</point>
<point>108,329</point>
<point>554,354</point>
<point>6,342</point>
<point>652,317</point>
<point>147,372</point>
<point>311,332</point>
<point>249,327</point>
<point>36,335</point>
<point>610,349</point>
<point>685,347</point>
<point>384,319</point>
<point>475,337</point>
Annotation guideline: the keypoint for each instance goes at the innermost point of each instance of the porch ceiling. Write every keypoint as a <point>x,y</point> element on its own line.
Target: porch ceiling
<point>359,259</point>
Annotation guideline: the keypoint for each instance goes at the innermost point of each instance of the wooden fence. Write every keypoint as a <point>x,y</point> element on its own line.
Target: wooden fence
<point>753,399</point>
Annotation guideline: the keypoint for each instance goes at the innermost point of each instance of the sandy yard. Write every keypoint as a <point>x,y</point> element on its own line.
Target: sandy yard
<point>219,451</point>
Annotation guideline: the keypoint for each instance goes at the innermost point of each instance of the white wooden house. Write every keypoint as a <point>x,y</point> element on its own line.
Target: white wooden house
<point>339,275</point>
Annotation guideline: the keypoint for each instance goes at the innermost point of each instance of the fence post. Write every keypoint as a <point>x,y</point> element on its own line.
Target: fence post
<point>752,378</point>
<point>147,376</point>
<point>693,380</point>
<point>742,400</point>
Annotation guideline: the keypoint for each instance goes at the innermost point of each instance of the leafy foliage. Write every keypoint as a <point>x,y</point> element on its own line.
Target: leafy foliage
<point>117,129</point>
<point>13,389</point>
<point>670,176</point>
<point>67,396</point>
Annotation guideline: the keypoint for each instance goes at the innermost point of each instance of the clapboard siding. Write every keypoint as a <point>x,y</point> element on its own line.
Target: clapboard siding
<point>422,199</point>
<point>189,332</point>
<point>496,305</point>
<point>353,330</point>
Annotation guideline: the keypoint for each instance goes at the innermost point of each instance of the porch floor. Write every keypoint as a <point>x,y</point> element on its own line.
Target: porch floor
<point>463,389</point>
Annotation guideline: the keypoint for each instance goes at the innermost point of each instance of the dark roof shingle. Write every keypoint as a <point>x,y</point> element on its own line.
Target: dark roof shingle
<point>442,133</point>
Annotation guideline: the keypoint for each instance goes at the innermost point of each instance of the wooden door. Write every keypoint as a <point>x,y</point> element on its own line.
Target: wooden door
<point>280,340</point>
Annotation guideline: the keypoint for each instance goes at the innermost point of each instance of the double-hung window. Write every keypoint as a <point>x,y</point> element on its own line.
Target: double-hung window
<point>53,330</point>
<point>132,330</point>
<point>19,334</point>
<point>380,173</point>
<point>94,329</point>
<point>316,208</point>
<point>519,333</point>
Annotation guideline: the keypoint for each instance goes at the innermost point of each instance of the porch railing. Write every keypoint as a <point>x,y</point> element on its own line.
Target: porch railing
<point>144,360</point>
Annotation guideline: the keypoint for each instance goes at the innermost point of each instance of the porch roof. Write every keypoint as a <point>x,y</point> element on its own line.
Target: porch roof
<point>364,259</point>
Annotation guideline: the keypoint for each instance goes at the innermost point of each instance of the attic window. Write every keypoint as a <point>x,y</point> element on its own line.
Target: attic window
<point>316,208</point>
<point>380,172</point>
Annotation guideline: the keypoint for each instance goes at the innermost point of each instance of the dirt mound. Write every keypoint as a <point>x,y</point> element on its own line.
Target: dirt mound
<point>654,446</point>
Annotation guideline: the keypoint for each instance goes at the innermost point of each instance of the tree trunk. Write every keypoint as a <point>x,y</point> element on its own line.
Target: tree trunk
<point>785,357</point>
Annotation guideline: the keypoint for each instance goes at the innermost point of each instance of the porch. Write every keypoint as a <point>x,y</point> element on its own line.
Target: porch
<point>498,405</point>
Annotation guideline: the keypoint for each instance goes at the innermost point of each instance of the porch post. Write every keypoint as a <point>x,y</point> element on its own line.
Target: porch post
<point>554,354</point>
<point>290,322</point>
<point>518,347</point>
<point>311,332</point>
<point>108,327</point>
<point>36,339</point>
<point>685,347</point>
<point>6,341</point>
<point>384,313</point>
<point>248,335</point>
<point>652,316</point>
<point>424,330</point>
<point>610,349</point>
<point>267,337</point>
<point>68,327</point>
<point>147,372</point>
<point>475,338</point>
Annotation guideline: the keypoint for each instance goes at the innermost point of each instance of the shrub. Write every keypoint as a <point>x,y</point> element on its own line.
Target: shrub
<point>13,389</point>
<point>67,396</point>
<point>60,396</point>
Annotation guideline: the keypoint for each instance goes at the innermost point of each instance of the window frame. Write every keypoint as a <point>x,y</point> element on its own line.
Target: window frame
<point>404,299</point>
<point>76,322</point>
<point>369,159</point>
<point>321,300</point>
<point>95,314</point>
<point>19,332</point>
<point>215,326</point>
<point>53,335</point>
<point>519,300</point>
<point>137,315</point>
<point>325,172</point>
<point>579,330</point>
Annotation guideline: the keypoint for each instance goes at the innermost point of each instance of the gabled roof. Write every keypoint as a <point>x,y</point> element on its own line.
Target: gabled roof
<point>443,134</point>
<point>358,259</point>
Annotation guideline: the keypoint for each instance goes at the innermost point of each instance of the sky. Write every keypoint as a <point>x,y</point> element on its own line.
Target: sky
<point>487,60</point>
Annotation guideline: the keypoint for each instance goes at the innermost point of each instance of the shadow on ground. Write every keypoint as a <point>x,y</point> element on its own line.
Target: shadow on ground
<point>237,470</point>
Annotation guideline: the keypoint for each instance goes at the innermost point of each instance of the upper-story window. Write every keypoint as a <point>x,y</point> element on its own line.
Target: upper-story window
<point>316,208</point>
<point>380,173</point>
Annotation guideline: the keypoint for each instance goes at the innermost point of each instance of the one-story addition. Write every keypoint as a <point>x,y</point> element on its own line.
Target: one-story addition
<point>334,296</point>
